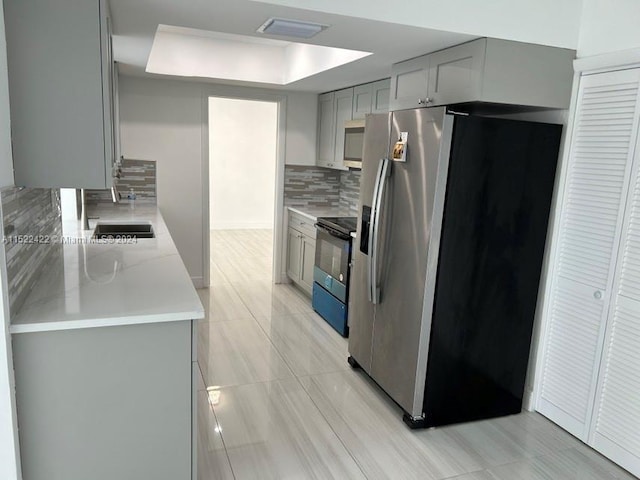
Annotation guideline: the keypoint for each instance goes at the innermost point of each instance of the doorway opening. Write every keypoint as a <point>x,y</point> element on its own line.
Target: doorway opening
<point>243,154</point>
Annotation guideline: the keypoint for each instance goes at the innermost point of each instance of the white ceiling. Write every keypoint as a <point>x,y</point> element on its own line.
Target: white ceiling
<point>135,24</point>
<point>190,52</point>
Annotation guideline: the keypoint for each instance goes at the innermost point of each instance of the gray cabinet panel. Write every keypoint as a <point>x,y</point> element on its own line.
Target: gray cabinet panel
<point>527,74</point>
<point>362,100</point>
<point>455,74</point>
<point>344,108</point>
<point>301,250</point>
<point>294,242</point>
<point>326,129</point>
<point>105,403</point>
<point>59,92</point>
<point>409,83</point>
<point>308,256</point>
<point>380,96</point>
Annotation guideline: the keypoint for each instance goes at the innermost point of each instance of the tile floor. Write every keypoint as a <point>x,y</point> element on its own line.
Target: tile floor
<point>279,401</point>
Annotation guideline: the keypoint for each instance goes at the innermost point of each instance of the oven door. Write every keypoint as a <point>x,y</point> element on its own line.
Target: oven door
<point>332,262</point>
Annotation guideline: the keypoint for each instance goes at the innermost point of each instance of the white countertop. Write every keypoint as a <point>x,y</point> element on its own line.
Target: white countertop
<point>96,285</point>
<point>314,212</point>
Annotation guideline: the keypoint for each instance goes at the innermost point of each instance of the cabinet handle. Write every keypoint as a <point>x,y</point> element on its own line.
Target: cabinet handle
<point>424,101</point>
<point>597,294</point>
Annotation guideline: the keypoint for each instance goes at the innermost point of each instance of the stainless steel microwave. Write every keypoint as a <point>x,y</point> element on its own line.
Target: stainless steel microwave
<point>353,143</point>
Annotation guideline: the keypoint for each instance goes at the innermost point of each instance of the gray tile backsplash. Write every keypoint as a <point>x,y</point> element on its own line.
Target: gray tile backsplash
<point>350,190</point>
<point>137,174</point>
<point>310,186</point>
<point>32,226</point>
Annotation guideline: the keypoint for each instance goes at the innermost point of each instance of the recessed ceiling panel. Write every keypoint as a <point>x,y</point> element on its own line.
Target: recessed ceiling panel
<point>189,52</point>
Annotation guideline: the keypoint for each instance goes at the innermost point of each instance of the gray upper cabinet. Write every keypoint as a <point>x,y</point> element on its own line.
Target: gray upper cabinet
<point>336,108</point>
<point>455,74</point>
<point>371,98</point>
<point>409,83</point>
<point>485,70</point>
<point>380,96</point>
<point>326,129</point>
<point>362,99</point>
<point>344,108</point>
<point>61,92</point>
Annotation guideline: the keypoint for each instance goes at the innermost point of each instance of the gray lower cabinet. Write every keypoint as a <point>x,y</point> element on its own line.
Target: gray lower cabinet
<point>485,70</point>
<point>106,403</point>
<point>294,254</point>
<point>61,91</point>
<point>301,251</point>
<point>308,256</point>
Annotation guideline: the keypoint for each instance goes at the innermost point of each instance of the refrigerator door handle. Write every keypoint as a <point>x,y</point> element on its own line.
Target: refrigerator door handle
<point>370,279</point>
<point>375,289</point>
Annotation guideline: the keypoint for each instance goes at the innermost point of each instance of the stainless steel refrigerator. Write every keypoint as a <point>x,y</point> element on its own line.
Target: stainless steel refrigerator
<point>447,260</point>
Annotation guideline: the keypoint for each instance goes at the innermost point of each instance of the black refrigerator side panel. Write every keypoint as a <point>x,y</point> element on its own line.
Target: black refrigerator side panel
<point>499,190</point>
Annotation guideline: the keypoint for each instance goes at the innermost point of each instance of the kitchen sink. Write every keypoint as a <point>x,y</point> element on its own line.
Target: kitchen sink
<point>125,230</point>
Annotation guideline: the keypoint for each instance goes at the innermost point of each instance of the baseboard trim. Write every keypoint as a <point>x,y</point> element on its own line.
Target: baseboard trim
<point>198,282</point>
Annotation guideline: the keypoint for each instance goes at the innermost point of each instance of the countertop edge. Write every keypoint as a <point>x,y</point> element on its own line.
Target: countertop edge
<point>104,322</point>
<point>303,213</point>
<point>192,312</point>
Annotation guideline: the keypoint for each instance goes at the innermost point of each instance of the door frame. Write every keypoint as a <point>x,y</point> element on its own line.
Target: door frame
<point>278,217</point>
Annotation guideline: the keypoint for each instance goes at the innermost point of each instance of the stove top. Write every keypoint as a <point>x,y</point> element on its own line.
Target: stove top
<point>344,225</point>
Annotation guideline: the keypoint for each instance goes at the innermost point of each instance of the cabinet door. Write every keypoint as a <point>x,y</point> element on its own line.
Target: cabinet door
<point>308,258</point>
<point>56,63</point>
<point>344,108</point>
<point>455,74</point>
<point>409,83</point>
<point>616,419</point>
<point>587,241</point>
<point>326,128</point>
<point>362,100</point>
<point>380,96</point>
<point>294,245</point>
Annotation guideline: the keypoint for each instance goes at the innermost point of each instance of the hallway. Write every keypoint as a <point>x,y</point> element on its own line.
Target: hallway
<point>278,399</point>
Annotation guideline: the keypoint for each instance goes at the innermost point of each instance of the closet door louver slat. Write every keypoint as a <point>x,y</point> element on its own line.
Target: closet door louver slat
<point>590,223</point>
<point>616,422</point>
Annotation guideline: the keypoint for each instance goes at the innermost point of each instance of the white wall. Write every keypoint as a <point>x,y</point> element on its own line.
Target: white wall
<point>162,120</point>
<point>242,163</point>
<point>547,22</point>
<point>609,26</point>
<point>9,457</point>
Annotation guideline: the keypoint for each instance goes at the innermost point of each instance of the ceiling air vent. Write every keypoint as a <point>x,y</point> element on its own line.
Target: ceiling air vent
<point>290,28</point>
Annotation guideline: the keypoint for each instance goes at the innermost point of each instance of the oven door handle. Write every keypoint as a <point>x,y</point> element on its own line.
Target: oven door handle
<point>332,232</point>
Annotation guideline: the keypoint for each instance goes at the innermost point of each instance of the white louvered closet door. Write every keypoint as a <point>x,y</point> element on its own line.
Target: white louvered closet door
<point>616,420</point>
<point>588,238</point>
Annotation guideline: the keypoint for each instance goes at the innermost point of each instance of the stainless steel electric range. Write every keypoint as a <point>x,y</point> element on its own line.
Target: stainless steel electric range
<point>332,270</point>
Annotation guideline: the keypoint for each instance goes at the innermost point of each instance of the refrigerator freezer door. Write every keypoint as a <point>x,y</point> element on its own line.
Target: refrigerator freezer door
<point>406,222</point>
<point>361,310</point>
